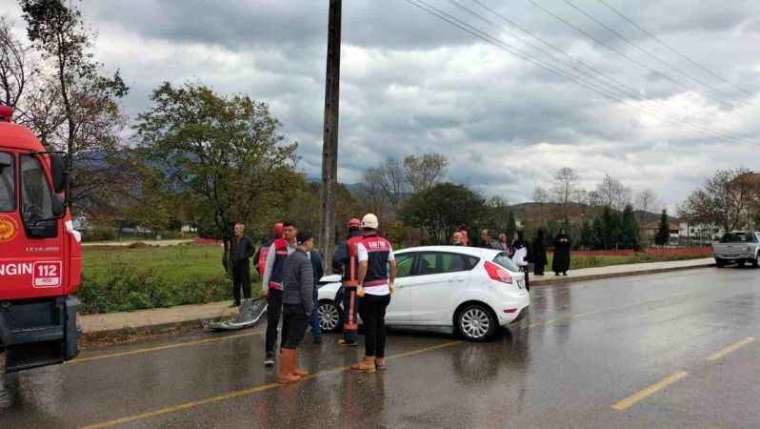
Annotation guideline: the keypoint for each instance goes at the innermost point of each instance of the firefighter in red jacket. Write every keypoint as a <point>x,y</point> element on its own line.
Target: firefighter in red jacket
<point>272,285</point>
<point>345,259</point>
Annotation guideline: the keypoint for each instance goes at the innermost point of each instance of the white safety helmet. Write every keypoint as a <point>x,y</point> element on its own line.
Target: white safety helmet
<point>369,221</point>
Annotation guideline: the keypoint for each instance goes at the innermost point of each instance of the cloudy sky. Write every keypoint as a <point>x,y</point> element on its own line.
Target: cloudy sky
<point>508,111</point>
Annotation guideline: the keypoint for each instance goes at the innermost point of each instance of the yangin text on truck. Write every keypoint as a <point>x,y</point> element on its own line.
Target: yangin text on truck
<point>40,253</point>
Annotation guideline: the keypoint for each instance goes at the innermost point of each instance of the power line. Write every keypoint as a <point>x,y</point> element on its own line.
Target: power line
<point>421,4</point>
<point>474,31</point>
<point>611,48</point>
<point>616,84</point>
<point>675,51</point>
<point>639,48</point>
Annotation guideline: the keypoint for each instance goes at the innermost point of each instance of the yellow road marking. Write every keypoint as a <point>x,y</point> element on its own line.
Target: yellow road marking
<point>649,391</point>
<point>160,348</point>
<point>730,349</point>
<point>246,392</point>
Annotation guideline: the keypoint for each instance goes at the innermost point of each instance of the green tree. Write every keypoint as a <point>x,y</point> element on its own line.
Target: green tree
<point>225,153</point>
<point>75,105</point>
<point>599,234</point>
<point>629,229</point>
<point>728,199</point>
<point>587,235</point>
<point>611,229</point>
<point>511,225</point>
<point>424,171</point>
<point>663,232</point>
<point>440,209</point>
<point>495,215</point>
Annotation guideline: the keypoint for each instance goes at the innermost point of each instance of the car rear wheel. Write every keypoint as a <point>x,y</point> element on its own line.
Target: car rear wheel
<point>720,263</point>
<point>329,316</point>
<point>741,263</point>
<point>476,322</point>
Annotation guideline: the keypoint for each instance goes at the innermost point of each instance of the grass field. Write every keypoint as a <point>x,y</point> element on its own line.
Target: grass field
<point>174,264</point>
<point>122,279</point>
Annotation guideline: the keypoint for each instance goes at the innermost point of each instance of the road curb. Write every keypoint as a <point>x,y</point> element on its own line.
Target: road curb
<point>131,334</point>
<point>560,280</point>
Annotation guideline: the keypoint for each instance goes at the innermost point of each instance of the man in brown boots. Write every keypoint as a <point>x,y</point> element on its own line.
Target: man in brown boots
<point>298,304</point>
<point>377,274</point>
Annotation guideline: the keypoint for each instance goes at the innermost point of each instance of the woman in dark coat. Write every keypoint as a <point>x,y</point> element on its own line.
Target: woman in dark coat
<point>561,262</point>
<point>538,256</point>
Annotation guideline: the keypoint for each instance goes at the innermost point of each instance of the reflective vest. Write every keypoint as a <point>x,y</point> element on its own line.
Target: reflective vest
<point>281,249</point>
<point>378,251</point>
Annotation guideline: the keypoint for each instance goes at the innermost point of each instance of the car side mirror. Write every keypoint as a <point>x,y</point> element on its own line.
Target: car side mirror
<point>58,206</point>
<point>58,171</point>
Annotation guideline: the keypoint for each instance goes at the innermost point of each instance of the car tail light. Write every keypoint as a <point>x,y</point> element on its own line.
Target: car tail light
<point>497,273</point>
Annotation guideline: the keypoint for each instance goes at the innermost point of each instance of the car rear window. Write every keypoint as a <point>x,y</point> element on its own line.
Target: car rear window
<point>505,261</point>
<point>739,237</point>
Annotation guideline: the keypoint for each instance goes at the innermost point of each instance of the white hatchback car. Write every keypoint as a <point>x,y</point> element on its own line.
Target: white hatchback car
<point>464,290</point>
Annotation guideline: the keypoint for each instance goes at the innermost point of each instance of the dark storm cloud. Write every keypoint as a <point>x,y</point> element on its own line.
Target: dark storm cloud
<point>412,84</point>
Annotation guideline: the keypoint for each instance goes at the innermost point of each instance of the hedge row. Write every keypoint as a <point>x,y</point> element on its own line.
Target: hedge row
<point>128,288</point>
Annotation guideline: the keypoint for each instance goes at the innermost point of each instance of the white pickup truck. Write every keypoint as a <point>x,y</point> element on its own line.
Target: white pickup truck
<point>738,247</point>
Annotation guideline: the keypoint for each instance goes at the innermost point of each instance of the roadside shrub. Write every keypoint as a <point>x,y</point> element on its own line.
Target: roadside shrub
<point>127,288</point>
<point>99,234</point>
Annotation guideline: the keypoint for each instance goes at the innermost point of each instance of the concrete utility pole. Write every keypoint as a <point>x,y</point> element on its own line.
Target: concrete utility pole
<point>330,145</point>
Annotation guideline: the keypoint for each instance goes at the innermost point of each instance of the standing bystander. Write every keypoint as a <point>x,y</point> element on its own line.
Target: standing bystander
<point>377,274</point>
<point>298,304</point>
<point>318,269</point>
<point>520,256</point>
<point>538,253</point>
<point>241,250</point>
<point>271,285</point>
<point>487,241</point>
<point>561,261</point>
<point>503,243</point>
<point>465,235</point>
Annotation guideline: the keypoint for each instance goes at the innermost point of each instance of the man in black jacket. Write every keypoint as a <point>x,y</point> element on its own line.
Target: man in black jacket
<point>241,250</point>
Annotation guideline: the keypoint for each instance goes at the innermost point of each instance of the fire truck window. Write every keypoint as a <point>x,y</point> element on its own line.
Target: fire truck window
<point>7,183</point>
<point>35,191</point>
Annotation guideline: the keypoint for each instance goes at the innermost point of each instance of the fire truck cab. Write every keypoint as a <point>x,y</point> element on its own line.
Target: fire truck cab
<point>40,253</point>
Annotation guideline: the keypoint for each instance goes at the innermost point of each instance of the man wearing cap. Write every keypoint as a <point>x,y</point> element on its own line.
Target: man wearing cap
<point>271,285</point>
<point>298,304</point>
<point>345,260</point>
<point>377,274</point>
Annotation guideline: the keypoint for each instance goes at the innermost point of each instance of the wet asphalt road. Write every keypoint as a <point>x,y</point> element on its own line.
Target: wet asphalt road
<point>666,350</point>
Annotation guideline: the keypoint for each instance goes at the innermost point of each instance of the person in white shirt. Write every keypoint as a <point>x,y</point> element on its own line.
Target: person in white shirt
<point>520,257</point>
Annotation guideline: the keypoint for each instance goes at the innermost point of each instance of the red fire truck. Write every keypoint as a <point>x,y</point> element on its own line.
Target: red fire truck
<point>40,253</point>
